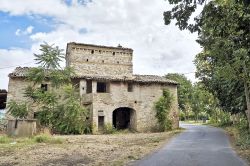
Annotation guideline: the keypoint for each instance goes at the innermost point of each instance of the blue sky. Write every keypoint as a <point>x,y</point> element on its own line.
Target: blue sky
<point>137,24</point>
<point>10,24</point>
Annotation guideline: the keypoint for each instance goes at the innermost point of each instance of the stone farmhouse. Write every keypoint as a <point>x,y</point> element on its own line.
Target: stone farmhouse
<point>108,87</point>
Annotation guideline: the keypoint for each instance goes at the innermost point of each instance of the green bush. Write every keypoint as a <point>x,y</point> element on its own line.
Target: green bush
<point>109,129</point>
<point>220,118</point>
<point>17,110</point>
<point>182,116</point>
<point>162,107</point>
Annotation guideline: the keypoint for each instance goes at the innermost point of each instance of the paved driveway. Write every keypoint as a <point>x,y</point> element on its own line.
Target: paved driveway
<point>197,146</point>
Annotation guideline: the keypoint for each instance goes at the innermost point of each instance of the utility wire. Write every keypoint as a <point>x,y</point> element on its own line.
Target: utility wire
<point>16,65</point>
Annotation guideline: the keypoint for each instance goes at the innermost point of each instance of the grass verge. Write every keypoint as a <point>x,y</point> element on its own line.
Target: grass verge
<point>240,140</point>
<point>6,141</point>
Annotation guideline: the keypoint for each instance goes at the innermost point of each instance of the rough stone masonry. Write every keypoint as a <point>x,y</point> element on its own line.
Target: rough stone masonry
<point>108,88</point>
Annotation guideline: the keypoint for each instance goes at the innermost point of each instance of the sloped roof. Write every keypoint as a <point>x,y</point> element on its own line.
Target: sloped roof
<point>21,72</point>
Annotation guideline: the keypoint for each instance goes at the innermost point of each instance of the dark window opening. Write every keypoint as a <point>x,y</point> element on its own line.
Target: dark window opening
<point>16,123</point>
<point>92,51</point>
<point>113,53</point>
<point>130,87</point>
<point>89,86</point>
<point>102,87</point>
<point>100,51</point>
<point>87,60</point>
<point>118,62</point>
<point>102,61</point>
<point>44,87</point>
<point>36,114</point>
<point>100,123</point>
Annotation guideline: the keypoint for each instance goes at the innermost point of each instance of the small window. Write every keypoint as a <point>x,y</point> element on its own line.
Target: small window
<point>117,62</point>
<point>89,86</point>
<point>92,51</point>
<point>130,87</point>
<point>87,60</point>
<point>113,53</point>
<point>100,51</point>
<point>44,87</point>
<point>102,87</point>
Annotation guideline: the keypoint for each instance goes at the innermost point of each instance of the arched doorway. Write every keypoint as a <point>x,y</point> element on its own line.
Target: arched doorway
<point>124,118</point>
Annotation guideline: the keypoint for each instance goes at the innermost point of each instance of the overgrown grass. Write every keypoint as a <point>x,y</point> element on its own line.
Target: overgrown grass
<point>47,139</point>
<point>4,139</point>
<point>241,135</point>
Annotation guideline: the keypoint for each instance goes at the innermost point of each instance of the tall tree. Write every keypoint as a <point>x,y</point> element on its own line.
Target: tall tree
<point>184,91</point>
<point>224,34</point>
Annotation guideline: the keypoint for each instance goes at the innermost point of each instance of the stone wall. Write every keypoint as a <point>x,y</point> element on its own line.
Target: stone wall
<point>21,128</point>
<point>141,100</point>
<point>100,61</point>
<point>16,90</point>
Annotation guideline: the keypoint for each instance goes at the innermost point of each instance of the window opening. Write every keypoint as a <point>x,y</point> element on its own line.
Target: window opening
<point>102,87</point>
<point>44,87</point>
<point>89,86</point>
<point>130,87</point>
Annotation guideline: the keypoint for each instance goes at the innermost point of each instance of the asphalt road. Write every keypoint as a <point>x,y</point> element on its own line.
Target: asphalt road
<point>197,146</point>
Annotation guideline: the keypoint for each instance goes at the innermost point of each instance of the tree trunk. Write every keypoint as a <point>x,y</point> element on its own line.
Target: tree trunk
<point>248,103</point>
<point>247,94</point>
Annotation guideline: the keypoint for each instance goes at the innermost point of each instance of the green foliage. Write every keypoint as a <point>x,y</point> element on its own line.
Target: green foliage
<point>50,56</point>
<point>60,111</point>
<point>223,29</point>
<point>17,110</point>
<point>36,75</point>
<point>182,115</point>
<point>109,129</point>
<point>47,139</point>
<point>70,116</point>
<point>184,90</point>
<point>162,107</point>
<point>4,139</point>
<point>41,138</point>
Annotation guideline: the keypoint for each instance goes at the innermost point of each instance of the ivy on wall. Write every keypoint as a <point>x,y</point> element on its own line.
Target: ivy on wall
<point>162,107</point>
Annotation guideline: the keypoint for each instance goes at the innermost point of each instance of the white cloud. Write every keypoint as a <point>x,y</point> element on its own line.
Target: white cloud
<point>27,31</point>
<point>138,24</point>
<point>10,59</point>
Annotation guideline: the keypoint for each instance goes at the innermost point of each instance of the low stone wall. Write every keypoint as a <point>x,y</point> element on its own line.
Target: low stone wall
<point>21,127</point>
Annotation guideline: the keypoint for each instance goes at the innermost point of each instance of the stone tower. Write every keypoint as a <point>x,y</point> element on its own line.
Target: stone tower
<point>94,60</point>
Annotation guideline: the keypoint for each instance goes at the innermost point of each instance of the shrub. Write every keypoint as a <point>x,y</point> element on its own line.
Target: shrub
<point>162,107</point>
<point>109,129</point>
<point>17,110</point>
<point>182,116</point>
